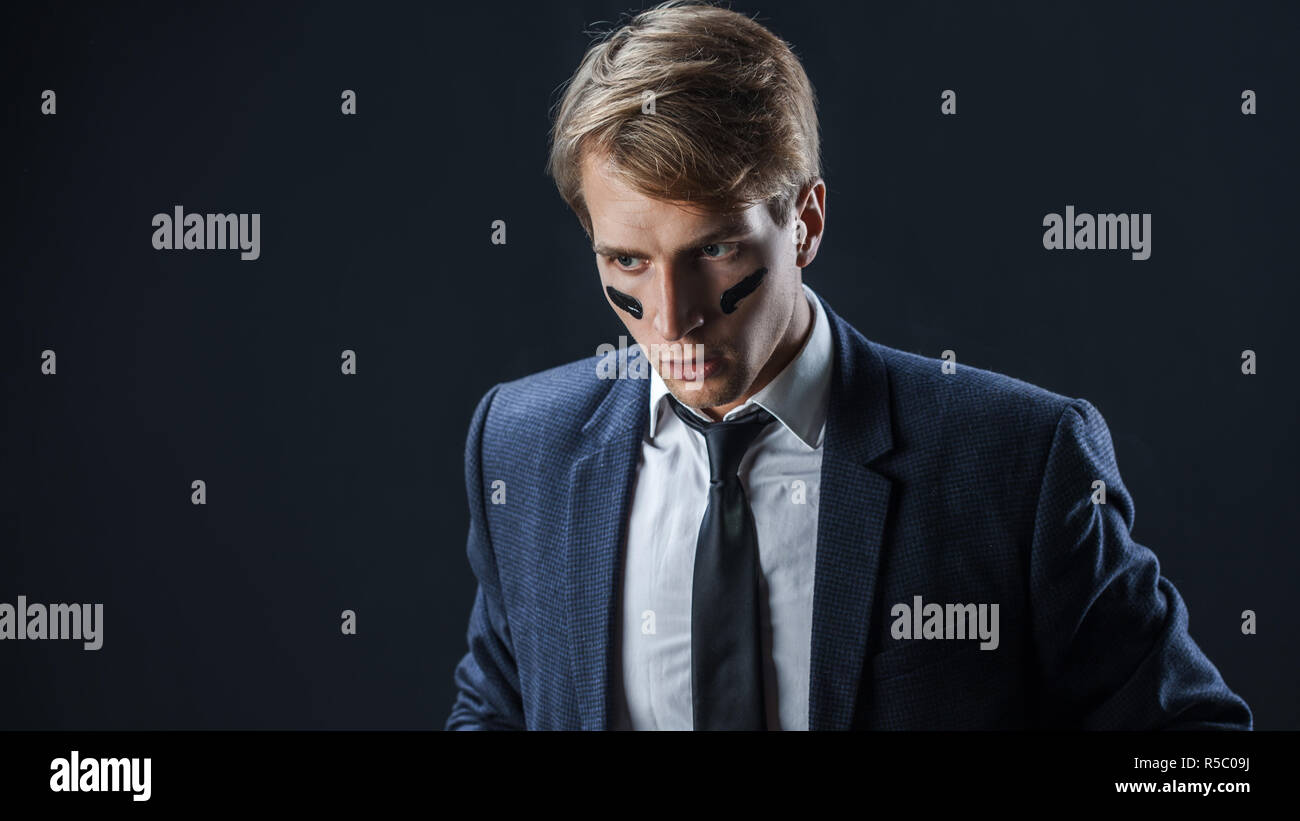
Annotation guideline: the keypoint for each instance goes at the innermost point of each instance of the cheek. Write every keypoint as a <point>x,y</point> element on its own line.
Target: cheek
<point>732,296</point>
<point>625,302</point>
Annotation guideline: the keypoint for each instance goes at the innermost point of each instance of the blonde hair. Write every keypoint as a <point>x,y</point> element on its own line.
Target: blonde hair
<point>734,118</point>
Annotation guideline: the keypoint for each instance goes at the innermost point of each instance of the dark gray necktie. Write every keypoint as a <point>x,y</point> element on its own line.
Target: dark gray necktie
<point>726,656</point>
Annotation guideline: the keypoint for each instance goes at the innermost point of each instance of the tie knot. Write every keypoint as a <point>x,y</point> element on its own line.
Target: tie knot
<point>727,441</point>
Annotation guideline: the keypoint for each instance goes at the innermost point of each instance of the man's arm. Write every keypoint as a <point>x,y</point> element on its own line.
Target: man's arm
<point>1110,631</point>
<point>487,681</point>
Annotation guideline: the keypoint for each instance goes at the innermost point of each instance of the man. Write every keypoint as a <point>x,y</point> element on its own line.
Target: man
<point>787,526</point>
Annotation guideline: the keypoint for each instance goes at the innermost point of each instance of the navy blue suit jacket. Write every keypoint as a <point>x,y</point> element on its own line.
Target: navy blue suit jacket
<point>965,487</point>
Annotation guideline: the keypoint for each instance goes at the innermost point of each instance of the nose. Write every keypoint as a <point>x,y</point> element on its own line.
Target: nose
<point>677,313</point>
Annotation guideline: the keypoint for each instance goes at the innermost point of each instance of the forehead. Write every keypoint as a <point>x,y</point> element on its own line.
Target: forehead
<point>621,215</point>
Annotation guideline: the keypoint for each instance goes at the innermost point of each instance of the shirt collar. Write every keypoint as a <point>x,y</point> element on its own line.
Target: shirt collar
<point>797,396</point>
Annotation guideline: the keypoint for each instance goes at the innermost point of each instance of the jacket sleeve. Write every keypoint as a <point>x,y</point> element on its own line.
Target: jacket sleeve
<point>487,681</point>
<point>1111,633</point>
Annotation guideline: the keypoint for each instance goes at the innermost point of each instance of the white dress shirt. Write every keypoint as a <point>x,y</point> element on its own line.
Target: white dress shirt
<point>780,473</point>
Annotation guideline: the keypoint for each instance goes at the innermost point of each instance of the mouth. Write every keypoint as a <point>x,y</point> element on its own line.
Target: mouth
<point>690,370</point>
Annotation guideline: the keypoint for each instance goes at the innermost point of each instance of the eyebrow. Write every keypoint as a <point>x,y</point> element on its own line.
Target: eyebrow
<point>734,229</point>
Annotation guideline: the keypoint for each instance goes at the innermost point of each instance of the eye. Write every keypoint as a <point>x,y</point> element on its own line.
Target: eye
<point>618,262</point>
<point>724,249</point>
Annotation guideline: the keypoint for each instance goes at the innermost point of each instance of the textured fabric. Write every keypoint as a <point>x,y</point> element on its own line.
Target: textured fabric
<point>726,658</point>
<point>963,487</point>
<point>780,473</point>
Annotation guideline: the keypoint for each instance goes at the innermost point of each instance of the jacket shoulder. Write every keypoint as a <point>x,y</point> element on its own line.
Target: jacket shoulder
<point>974,392</point>
<point>971,410</point>
<point>548,406</point>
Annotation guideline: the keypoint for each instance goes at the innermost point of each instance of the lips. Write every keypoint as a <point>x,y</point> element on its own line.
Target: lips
<point>687,363</point>
<point>688,369</point>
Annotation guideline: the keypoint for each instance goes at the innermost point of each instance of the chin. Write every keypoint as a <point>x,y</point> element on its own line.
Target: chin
<point>707,394</point>
<point>696,397</point>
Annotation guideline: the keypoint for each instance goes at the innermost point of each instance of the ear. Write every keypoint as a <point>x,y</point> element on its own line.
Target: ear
<point>810,212</point>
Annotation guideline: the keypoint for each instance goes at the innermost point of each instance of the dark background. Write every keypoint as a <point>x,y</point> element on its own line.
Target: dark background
<point>328,492</point>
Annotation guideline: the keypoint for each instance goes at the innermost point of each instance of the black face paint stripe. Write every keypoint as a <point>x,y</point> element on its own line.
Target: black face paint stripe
<point>732,296</point>
<point>622,300</point>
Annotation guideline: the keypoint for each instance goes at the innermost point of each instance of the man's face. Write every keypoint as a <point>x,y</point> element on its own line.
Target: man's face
<point>677,265</point>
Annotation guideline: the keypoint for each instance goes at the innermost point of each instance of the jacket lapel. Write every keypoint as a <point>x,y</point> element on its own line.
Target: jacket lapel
<point>850,526</point>
<point>600,489</point>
